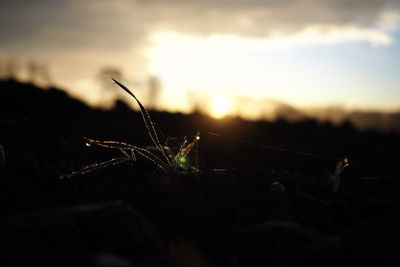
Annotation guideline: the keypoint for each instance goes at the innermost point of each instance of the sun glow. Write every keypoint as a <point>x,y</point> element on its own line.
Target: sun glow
<point>296,68</point>
<point>221,106</point>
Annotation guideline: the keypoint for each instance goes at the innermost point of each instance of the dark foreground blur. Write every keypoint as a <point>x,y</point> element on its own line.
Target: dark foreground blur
<point>226,215</point>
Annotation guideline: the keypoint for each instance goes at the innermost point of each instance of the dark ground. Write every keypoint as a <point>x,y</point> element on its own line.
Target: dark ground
<point>225,215</point>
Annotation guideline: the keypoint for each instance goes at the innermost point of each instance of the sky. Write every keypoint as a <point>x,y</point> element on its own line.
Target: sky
<point>227,55</point>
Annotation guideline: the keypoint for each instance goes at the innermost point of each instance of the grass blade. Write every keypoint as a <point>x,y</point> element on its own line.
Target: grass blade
<point>147,120</point>
<point>96,166</point>
<point>154,158</point>
<point>132,149</point>
<point>109,144</point>
<point>188,147</point>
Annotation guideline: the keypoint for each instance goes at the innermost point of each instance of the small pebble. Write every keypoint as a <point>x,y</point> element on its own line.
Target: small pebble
<point>277,187</point>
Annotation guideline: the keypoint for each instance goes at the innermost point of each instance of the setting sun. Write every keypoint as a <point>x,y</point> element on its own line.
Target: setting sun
<point>221,106</point>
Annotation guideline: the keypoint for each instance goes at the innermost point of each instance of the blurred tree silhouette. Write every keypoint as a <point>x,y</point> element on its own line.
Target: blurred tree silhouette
<point>104,80</point>
<point>38,74</point>
<point>106,73</point>
<point>151,85</point>
<point>195,103</point>
<point>33,71</point>
<point>9,69</point>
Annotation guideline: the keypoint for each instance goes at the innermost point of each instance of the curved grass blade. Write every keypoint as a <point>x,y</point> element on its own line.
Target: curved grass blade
<point>188,147</point>
<point>147,120</point>
<point>141,151</point>
<point>130,156</point>
<point>335,177</point>
<point>93,167</point>
<point>179,154</point>
<point>110,144</point>
<point>155,159</point>
<point>180,159</point>
<point>133,155</point>
<point>341,165</point>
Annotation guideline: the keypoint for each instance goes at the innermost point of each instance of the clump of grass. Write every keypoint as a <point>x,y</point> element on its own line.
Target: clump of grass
<point>334,178</point>
<point>172,160</point>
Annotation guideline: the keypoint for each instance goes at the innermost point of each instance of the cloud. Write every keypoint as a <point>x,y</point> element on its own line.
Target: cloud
<point>123,23</point>
<point>93,33</point>
<point>257,18</point>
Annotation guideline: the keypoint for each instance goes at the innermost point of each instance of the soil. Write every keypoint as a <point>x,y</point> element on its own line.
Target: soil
<point>262,195</point>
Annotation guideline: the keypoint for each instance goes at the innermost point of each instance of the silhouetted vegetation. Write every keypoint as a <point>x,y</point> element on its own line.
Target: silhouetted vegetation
<point>226,214</point>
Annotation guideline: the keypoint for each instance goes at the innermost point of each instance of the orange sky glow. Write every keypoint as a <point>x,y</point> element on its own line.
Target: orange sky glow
<point>249,56</point>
